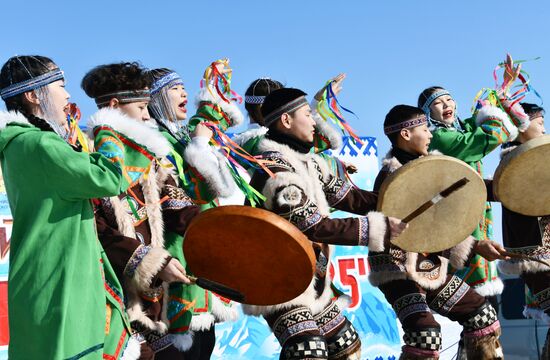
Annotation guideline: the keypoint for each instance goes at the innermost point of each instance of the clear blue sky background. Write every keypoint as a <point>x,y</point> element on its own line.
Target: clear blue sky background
<point>390,50</point>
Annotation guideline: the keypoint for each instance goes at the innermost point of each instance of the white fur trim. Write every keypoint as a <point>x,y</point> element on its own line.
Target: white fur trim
<point>136,313</point>
<point>522,117</point>
<point>132,350</point>
<point>212,166</point>
<point>325,129</point>
<point>506,152</point>
<point>494,112</point>
<point>183,342</point>
<point>149,267</point>
<point>537,314</point>
<point>290,195</point>
<point>202,322</point>
<point>343,302</point>
<point>461,252</point>
<point>391,163</point>
<point>490,288</point>
<point>305,175</point>
<point>231,109</point>
<point>425,283</point>
<point>518,267</point>
<point>377,231</point>
<point>223,312</point>
<point>136,130</point>
<point>249,134</point>
<point>10,117</point>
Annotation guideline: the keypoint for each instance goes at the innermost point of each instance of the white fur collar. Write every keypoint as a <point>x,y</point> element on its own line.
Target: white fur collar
<point>9,117</point>
<point>391,163</point>
<point>231,109</point>
<point>140,132</point>
<point>506,151</point>
<point>252,133</point>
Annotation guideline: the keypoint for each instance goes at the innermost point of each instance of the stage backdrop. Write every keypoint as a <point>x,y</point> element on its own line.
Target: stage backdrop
<point>372,316</point>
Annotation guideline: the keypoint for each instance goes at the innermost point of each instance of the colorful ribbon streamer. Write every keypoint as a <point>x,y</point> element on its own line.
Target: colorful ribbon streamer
<point>330,108</point>
<point>221,82</point>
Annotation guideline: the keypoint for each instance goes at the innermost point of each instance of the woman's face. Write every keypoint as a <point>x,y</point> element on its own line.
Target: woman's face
<point>535,129</point>
<point>136,110</point>
<point>177,97</point>
<point>59,98</point>
<point>443,109</point>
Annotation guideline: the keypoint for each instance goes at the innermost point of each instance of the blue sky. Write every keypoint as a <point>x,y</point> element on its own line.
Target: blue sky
<point>390,50</point>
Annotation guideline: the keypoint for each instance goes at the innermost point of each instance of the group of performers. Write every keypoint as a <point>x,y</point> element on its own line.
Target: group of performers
<point>97,267</point>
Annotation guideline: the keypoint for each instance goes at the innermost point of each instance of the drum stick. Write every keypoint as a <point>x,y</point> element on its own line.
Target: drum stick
<point>443,194</point>
<point>525,257</point>
<point>218,288</point>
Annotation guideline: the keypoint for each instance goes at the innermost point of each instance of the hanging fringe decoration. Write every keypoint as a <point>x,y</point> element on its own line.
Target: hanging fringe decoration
<point>75,134</point>
<point>221,81</point>
<point>501,92</point>
<point>330,108</point>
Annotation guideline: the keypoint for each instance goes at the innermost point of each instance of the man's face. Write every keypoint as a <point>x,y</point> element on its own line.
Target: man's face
<point>419,139</point>
<point>302,125</point>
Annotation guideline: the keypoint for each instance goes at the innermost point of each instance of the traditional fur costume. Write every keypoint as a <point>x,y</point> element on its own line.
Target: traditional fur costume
<point>131,229</point>
<point>302,191</point>
<point>65,300</point>
<point>470,141</point>
<point>202,171</point>
<point>528,235</point>
<point>415,284</point>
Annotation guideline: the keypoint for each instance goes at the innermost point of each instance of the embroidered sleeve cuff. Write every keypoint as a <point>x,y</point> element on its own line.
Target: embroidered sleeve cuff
<point>146,266</point>
<point>374,233</point>
<point>492,119</point>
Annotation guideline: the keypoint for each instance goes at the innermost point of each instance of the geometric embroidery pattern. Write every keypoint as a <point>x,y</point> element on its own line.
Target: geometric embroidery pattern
<point>450,295</point>
<point>410,304</point>
<point>486,316</point>
<point>336,190</point>
<point>312,347</point>
<point>429,339</point>
<point>346,339</point>
<point>329,319</point>
<point>304,216</point>
<point>293,323</point>
<point>543,299</point>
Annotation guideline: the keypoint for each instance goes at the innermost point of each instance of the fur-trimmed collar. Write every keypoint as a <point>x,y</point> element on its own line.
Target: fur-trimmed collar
<point>10,117</point>
<point>230,109</point>
<point>249,134</point>
<point>142,133</point>
<point>507,150</point>
<point>391,163</point>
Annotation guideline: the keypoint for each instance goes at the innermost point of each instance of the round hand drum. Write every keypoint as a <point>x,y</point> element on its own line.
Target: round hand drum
<point>446,223</point>
<point>522,180</point>
<point>253,251</point>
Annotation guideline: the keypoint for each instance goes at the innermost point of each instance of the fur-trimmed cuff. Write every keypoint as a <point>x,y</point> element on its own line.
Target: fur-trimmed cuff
<point>212,166</point>
<point>151,263</point>
<point>376,228</point>
<point>183,342</point>
<point>520,266</point>
<point>488,113</point>
<point>231,109</point>
<point>518,115</point>
<point>537,314</point>
<point>202,322</point>
<point>490,288</point>
<point>223,312</point>
<point>324,129</point>
<point>132,351</point>
<point>462,252</point>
